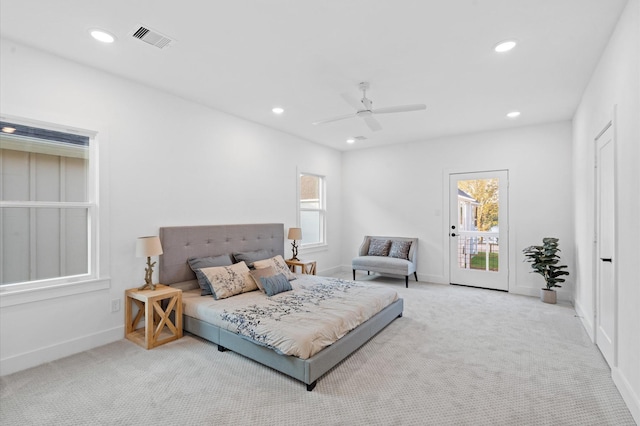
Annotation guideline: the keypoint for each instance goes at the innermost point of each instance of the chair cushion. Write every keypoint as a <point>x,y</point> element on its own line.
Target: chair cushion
<point>389,265</point>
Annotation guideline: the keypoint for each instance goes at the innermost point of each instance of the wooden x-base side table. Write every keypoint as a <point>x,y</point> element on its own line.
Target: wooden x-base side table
<point>306,266</point>
<point>159,328</point>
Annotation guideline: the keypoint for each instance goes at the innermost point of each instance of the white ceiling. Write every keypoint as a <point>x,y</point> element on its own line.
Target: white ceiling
<point>246,56</point>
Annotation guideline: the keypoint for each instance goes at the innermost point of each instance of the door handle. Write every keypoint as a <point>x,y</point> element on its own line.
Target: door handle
<point>606,259</point>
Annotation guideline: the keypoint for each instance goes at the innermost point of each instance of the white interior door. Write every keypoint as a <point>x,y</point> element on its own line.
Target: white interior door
<point>478,229</point>
<point>606,290</point>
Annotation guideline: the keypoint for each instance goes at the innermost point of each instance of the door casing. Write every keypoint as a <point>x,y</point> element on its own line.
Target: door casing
<point>493,280</point>
<point>605,292</point>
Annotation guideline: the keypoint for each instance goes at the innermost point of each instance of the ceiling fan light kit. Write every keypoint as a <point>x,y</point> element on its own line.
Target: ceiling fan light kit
<point>367,113</point>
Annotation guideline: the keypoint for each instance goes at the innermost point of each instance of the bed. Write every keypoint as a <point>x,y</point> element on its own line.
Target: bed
<point>187,242</point>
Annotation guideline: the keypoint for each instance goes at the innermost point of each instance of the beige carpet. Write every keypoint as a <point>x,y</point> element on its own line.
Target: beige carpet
<point>459,356</point>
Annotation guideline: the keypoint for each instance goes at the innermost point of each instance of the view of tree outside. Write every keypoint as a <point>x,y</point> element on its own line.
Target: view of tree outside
<point>485,192</point>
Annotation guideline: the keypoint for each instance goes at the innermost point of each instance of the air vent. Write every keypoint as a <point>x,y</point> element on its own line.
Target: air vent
<point>360,138</point>
<point>152,37</point>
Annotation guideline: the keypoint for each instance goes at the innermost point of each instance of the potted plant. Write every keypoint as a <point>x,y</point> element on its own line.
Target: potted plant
<point>544,261</point>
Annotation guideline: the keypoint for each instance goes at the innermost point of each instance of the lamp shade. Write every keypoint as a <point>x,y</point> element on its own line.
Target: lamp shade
<point>295,234</point>
<point>148,246</point>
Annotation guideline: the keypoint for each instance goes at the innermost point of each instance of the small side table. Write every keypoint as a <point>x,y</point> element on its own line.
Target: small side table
<point>307,266</point>
<point>159,328</point>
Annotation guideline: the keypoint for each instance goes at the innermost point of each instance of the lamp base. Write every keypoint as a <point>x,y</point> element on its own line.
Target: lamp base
<point>147,276</point>
<point>294,258</point>
<point>294,251</point>
<point>151,286</point>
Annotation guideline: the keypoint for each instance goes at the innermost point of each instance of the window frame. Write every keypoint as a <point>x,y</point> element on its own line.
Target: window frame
<point>322,210</point>
<point>42,289</point>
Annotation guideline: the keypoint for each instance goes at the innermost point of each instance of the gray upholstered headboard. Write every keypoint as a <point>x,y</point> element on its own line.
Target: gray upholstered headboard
<point>180,243</point>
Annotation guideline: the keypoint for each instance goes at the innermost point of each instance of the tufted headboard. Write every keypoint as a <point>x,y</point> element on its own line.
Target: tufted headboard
<point>180,243</point>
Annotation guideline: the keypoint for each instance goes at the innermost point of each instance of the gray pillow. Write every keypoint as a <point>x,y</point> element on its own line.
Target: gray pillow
<point>197,263</point>
<point>251,256</point>
<point>275,284</point>
<point>379,247</point>
<point>400,249</point>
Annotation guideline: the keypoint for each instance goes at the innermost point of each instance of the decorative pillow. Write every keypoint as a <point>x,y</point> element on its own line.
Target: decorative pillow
<point>256,274</point>
<point>275,284</point>
<point>197,263</point>
<point>379,247</point>
<point>251,256</point>
<point>227,281</point>
<point>278,264</point>
<point>400,249</point>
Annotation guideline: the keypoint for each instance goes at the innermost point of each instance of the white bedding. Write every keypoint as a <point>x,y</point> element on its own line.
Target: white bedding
<point>318,312</point>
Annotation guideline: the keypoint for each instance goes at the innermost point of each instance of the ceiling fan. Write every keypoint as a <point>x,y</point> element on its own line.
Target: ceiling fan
<point>365,109</point>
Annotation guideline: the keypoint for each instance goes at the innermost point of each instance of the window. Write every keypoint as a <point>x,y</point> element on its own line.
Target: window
<point>48,210</point>
<point>312,209</point>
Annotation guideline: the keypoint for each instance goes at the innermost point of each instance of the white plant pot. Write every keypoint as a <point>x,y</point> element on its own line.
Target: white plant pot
<point>548,296</point>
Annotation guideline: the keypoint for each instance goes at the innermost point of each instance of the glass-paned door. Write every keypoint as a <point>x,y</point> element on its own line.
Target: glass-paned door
<point>478,239</point>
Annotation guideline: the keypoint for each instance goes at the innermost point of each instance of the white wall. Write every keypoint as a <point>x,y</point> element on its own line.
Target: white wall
<point>402,190</point>
<point>165,161</point>
<point>615,82</point>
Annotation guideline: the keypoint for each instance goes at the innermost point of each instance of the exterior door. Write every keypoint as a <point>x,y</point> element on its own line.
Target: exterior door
<point>606,289</point>
<point>478,229</point>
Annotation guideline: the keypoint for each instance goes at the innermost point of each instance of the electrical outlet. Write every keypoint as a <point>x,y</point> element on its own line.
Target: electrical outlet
<point>115,305</point>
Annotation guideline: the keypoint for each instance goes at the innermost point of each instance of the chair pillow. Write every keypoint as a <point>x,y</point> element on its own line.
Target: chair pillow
<point>197,263</point>
<point>275,284</point>
<point>400,249</point>
<point>379,247</point>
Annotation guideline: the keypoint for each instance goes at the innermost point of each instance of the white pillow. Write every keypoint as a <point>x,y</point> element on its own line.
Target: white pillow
<point>278,264</point>
<point>227,281</point>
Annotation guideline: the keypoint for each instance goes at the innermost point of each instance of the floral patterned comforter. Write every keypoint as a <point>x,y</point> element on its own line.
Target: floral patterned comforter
<point>315,314</point>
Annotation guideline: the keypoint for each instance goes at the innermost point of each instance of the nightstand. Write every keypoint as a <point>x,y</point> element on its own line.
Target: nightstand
<point>307,266</point>
<point>158,328</point>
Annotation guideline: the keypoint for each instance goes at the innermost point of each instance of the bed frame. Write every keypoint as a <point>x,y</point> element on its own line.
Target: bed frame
<point>182,242</point>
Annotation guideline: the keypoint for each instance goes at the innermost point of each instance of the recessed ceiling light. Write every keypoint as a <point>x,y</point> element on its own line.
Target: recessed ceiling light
<point>277,110</point>
<point>505,46</point>
<point>351,140</point>
<point>102,36</point>
<point>513,114</point>
<point>8,129</point>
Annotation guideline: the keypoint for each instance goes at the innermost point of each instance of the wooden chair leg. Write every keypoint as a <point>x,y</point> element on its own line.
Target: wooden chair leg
<point>406,281</point>
<point>354,274</point>
<point>415,274</point>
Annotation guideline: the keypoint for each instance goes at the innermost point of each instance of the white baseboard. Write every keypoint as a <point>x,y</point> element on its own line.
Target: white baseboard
<point>331,271</point>
<point>630,398</point>
<point>60,350</point>
<point>586,319</point>
<point>563,295</point>
<point>435,279</point>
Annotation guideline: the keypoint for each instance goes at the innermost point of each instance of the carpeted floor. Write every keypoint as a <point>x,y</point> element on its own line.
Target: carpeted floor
<point>458,356</point>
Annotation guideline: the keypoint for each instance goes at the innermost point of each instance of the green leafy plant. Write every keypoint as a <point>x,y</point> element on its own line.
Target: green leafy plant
<point>544,261</point>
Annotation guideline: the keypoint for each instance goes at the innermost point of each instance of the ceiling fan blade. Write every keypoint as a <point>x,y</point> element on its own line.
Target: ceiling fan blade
<point>351,100</point>
<point>371,122</point>
<point>332,119</point>
<point>400,108</point>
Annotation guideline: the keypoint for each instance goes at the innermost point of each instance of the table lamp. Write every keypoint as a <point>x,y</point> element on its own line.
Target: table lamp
<point>147,247</point>
<point>294,234</point>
